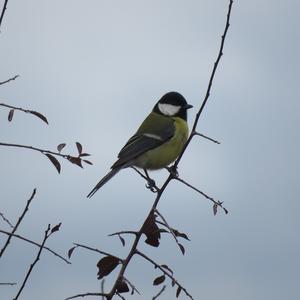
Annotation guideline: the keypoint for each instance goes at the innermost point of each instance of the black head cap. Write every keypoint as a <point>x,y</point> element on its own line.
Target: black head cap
<point>172,104</point>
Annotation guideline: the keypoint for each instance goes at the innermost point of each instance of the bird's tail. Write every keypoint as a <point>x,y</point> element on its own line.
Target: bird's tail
<point>106,178</point>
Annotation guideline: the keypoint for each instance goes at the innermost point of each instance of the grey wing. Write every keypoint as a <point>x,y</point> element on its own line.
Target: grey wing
<point>140,143</point>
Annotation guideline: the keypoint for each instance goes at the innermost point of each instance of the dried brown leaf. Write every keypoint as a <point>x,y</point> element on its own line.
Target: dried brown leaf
<point>54,161</point>
<point>10,115</point>
<point>178,291</point>
<point>122,287</point>
<point>159,280</point>
<point>181,248</point>
<point>75,160</point>
<point>79,147</point>
<point>61,146</point>
<point>84,154</point>
<point>56,227</point>
<point>39,115</point>
<point>215,208</point>
<point>106,265</point>
<point>122,240</point>
<point>70,252</point>
<point>87,161</point>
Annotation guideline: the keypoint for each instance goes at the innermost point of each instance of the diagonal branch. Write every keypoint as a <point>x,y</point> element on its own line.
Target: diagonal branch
<point>10,79</point>
<point>168,274</point>
<point>18,222</point>
<point>212,76</point>
<point>3,11</point>
<point>34,243</point>
<point>6,220</point>
<point>46,236</point>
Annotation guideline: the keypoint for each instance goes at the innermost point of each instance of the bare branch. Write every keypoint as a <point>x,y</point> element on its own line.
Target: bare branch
<point>159,293</point>
<point>168,274</point>
<point>18,222</point>
<point>8,283</point>
<point>95,250</point>
<point>86,295</point>
<point>28,111</point>
<point>209,83</point>
<point>6,220</point>
<point>10,79</point>
<point>46,236</point>
<point>206,137</point>
<point>218,203</point>
<point>168,226</point>
<point>34,243</point>
<point>123,232</point>
<point>3,11</point>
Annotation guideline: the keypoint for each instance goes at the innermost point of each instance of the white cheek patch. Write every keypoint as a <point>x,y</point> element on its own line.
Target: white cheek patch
<point>168,109</point>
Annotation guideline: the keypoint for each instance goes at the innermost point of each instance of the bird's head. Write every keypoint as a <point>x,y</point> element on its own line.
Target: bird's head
<point>172,104</point>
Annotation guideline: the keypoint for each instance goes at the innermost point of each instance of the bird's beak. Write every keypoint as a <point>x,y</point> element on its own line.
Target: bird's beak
<point>188,106</point>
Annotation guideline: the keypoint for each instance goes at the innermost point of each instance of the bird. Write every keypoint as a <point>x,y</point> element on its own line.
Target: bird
<point>158,141</point>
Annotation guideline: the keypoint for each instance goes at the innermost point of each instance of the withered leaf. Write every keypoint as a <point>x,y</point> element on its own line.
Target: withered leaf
<point>215,208</point>
<point>173,282</point>
<point>54,161</point>
<point>75,160</point>
<point>167,268</point>
<point>180,234</point>
<point>159,280</point>
<point>39,115</point>
<point>178,291</point>
<point>106,265</point>
<point>10,115</point>
<point>84,154</point>
<point>122,240</point>
<point>181,248</point>
<point>122,287</point>
<point>56,227</point>
<point>151,230</point>
<point>70,252</point>
<point>61,146</point>
<point>87,161</point>
<point>79,147</point>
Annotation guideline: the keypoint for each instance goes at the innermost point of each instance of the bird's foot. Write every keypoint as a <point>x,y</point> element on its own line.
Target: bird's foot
<point>151,185</point>
<point>173,171</point>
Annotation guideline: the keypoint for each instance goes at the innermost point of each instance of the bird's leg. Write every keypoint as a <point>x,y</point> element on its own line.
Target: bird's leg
<point>151,183</point>
<point>173,171</point>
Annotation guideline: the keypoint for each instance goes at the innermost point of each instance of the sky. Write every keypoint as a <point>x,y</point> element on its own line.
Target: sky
<point>96,69</point>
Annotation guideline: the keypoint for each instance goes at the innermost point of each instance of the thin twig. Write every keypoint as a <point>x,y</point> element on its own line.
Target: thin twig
<point>95,250</point>
<point>6,220</point>
<point>206,137</point>
<point>43,151</point>
<point>46,236</point>
<point>218,203</point>
<point>209,83</point>
<point>8,283</point>
<point>123,232</point>
<point>10,79</point>
<point>159,293</point>
<point>164,271</point>
<point>86,295</point>
<point>168,226</point>
<point>3,11</point>
<point>18,222</point>
<point>34,243</point>
<point>28,111</point>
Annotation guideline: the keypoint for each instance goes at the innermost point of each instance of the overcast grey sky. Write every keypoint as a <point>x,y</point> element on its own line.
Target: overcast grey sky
<point>95,69</point>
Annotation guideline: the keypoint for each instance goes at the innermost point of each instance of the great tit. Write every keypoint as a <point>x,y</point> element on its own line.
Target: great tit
<point>157,142</point>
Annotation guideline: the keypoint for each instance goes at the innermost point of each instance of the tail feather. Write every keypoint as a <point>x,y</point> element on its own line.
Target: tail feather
<point>106,178</point>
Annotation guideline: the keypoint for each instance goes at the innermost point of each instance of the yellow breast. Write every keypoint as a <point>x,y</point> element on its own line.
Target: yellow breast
<point>165,154</point>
